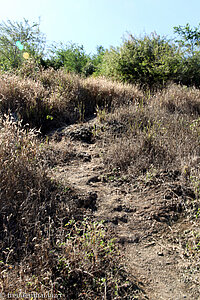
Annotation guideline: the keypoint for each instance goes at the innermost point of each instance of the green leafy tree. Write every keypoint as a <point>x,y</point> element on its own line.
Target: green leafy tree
<point>97,59</point>
<point>109,66</point>
<point>148,61</point>
<point>94,62</point>
<point>72,57</point>
<point>189,73</point>
<point>190,46</point>
<point>190,38</point>
<point>17,38</point>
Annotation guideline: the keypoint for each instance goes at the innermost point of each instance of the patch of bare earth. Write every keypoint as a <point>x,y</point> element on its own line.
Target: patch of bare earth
<point>147,217</point>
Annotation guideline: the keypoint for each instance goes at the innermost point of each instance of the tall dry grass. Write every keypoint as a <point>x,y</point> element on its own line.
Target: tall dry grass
<point>24,98</point>
<point>49,98</point>
<point>179,99</point>
<point>27,195</point>
<point>153,134</point>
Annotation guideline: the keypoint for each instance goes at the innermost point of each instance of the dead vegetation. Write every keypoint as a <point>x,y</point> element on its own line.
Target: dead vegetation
<point>148,144</point>
<point>47,99</point>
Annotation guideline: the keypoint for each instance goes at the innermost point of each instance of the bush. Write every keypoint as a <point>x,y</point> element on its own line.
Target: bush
<point>189,73</point>
<point>71,57</point>
<point>30,39</point>
<point>148,61</point>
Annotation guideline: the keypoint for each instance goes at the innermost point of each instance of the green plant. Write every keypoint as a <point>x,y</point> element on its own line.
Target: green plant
<point>29,37</point>
<point>97,60</point>
<point>189,73</point>
<point>81,111</point>
<point>198,213</point>
<point>190,38</point>
<point>96,130</point>
<point>70,56</point>
<point>150,174</point>
<point>189,44</point>
<point>101,114</point>
<point>49,117</point>
<point>148,61</point>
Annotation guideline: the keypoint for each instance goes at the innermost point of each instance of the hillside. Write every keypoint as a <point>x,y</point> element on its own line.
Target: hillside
<point>103,202</point>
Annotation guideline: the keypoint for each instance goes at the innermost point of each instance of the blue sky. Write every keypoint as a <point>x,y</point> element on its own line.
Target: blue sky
<point>103,22</point>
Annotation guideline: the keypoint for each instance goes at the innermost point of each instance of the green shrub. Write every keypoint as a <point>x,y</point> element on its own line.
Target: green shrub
<point>28,36</point>
<point>189,73</point>
<point>148,61</point>
<point>71,57</point>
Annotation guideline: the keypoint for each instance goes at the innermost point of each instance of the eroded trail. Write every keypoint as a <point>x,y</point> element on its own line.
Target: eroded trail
<point>144,217</point>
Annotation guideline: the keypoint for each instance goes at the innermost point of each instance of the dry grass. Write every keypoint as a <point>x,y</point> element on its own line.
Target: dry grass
<point>151,135</point>
<point>76,98</point>
<point>49,98</point>
<point>181,100</point>
<point>38,252</point>
<point>35,246</point>
<point>28,196</point>
<point>161,135</point>
<point>46,245</point>
<point>25,98</point>
<point>84,263</point>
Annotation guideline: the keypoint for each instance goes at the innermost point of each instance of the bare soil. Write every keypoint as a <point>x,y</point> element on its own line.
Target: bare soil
<point>147,215</point>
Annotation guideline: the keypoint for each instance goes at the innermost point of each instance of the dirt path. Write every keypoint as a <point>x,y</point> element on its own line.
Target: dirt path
<point>140,216</point>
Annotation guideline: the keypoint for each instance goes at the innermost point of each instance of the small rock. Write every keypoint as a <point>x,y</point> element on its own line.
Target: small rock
<point>168,196</point>
<point>115,220</point>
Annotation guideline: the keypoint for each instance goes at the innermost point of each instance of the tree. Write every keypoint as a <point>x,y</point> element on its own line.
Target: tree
<point>190,38</point>
<point>18,38</point>
<point>93,65</point>
<point>148,61</point>
<point>71,56</point>
<point>190,46</point>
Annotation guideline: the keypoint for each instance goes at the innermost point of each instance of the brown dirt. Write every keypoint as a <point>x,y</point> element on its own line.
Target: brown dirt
<point>147,217</point>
